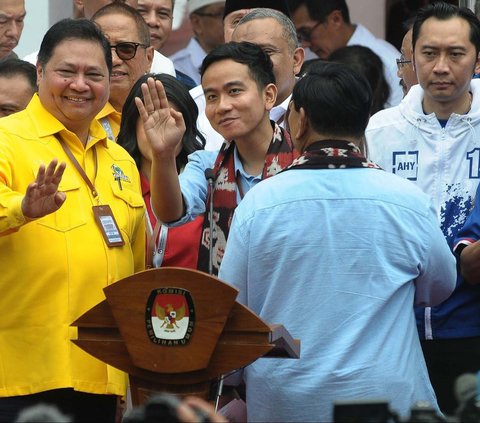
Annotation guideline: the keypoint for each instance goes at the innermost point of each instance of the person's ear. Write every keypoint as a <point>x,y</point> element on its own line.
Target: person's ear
<point>298,59</point>
<point>270,94</point>
<point>303,124</point>
<point>39,72</point>
<point>149,52</point>
<point>195,23</point>
<point>477,65</point>
<point>335,18</point>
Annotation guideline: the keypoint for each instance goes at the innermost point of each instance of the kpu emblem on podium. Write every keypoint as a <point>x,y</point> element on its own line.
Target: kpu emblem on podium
<point>170,316</point>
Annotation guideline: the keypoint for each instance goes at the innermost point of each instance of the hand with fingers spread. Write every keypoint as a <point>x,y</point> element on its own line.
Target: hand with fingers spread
<point>42,196</point>
<point>163,125</point>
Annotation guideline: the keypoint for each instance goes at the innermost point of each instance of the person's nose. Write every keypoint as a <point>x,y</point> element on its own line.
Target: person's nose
<point>224,104</point>
<point>442,64</point>
<point>115,59</point>
<point>14,29</point>
<point>79,83</point>
<point>151,18</point>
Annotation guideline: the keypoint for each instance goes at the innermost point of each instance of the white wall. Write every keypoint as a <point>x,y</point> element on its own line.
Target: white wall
<point>371,13</point>
<point>41,14</point>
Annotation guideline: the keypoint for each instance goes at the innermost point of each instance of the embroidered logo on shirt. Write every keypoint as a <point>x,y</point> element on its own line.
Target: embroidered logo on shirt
<point>170,316</point>
<point>405,164</point>
<point>118,174</point>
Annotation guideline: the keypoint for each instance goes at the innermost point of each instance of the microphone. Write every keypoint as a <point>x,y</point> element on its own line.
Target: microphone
<point>210,177</point>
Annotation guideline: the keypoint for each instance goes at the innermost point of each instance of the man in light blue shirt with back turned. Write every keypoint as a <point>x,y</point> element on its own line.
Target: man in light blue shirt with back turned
<point>338,251</point>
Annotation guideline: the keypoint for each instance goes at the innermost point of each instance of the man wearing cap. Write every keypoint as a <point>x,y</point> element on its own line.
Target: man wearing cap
<point>206,20</point>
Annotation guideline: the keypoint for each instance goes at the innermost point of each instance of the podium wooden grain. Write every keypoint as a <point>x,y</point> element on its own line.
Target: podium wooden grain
<point>226,335</point>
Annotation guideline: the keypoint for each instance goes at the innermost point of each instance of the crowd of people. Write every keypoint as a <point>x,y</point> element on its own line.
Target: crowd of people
<point>338,194</point>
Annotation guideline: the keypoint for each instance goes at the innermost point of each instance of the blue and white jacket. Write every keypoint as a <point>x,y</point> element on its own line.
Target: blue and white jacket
<point>444,163</point>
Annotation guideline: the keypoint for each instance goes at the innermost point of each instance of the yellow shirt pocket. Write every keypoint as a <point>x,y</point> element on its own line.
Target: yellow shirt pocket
<point>128,209</point>
<point>72,213</point>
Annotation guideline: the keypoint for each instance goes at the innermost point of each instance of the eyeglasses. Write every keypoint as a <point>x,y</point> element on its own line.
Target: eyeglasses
<point>401,62</point>
<point>127,50</point>
<point>210,15</point>
<point>305,34</point>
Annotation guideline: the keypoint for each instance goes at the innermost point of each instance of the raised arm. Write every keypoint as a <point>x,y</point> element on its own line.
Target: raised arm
<point>164,128</point>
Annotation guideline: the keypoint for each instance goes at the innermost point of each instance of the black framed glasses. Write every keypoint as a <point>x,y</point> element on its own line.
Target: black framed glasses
<point>402,61</point>
<point>127,50</point>
<point>216,15</point>
<point>305,34</point>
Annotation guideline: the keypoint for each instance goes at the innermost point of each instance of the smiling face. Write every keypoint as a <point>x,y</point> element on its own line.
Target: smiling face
<point>235,105</point>
<point>121,28</point>
<point>287,60</point>
<point>158,15</point>
<point>445,60</point>
<point>74,84</point>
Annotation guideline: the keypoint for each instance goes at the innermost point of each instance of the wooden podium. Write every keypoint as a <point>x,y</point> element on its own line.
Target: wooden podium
<point>176,330</point>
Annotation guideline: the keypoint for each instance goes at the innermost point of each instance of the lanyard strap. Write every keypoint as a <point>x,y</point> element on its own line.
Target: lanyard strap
<point>79,168</point>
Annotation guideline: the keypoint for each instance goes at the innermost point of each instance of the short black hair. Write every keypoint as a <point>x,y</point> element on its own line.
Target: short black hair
<point>126,10</point>
<point>73,29</point>
<point>260,66</point>
<point>444,11</point>
<point>366,62</point>
<point>13,67</point>
<point>318,10</point>
<point>336,99</point>
<point>177,94</point>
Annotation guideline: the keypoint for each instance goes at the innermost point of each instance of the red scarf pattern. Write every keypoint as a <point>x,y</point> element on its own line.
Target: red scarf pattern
<point>280,155</point>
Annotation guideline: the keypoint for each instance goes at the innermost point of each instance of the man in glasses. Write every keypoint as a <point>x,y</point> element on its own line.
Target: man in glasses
<point>324,26</point>
<point>132,54</point>
<point>431,138</point>
<point>405,70</point>
<point>207,25</point>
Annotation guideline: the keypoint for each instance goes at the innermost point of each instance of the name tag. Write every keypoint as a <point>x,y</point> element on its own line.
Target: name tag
<point>108,226</point>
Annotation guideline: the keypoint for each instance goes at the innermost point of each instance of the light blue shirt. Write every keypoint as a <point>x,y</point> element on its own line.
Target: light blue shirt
<point>339,257</point>
<point>194,185</point>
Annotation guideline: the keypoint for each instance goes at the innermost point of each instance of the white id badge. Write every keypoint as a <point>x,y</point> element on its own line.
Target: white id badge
<point>108,226</point>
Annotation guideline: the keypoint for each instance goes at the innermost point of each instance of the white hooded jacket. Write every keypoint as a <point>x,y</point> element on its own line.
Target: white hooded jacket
<point>444,163</point>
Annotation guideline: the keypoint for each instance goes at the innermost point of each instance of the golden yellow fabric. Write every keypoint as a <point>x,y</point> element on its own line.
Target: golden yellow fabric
<point>53,269</point>
<point>110,119</point>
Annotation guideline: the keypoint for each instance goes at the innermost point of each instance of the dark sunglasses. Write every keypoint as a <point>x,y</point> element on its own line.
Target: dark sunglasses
<point>127,50</point>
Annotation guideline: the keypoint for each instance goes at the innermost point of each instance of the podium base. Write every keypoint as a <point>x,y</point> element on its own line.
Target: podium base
<point>141,389</point>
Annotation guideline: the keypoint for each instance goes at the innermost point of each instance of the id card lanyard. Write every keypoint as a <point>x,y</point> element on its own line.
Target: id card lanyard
<point>103,213</point>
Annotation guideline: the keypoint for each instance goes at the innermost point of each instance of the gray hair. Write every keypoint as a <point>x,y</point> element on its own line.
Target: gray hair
<point>288,28</point>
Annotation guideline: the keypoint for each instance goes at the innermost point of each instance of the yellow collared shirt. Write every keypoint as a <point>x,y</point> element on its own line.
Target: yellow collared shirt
<point>54,269</point>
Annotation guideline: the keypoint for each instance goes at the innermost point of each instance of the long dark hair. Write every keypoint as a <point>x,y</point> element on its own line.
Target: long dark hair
<point>177,94</point>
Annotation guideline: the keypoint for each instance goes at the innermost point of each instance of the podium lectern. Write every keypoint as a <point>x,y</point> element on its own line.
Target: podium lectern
<point>176,330</point>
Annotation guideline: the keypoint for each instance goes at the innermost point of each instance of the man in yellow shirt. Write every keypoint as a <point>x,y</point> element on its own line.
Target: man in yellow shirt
<point>59,176</point>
